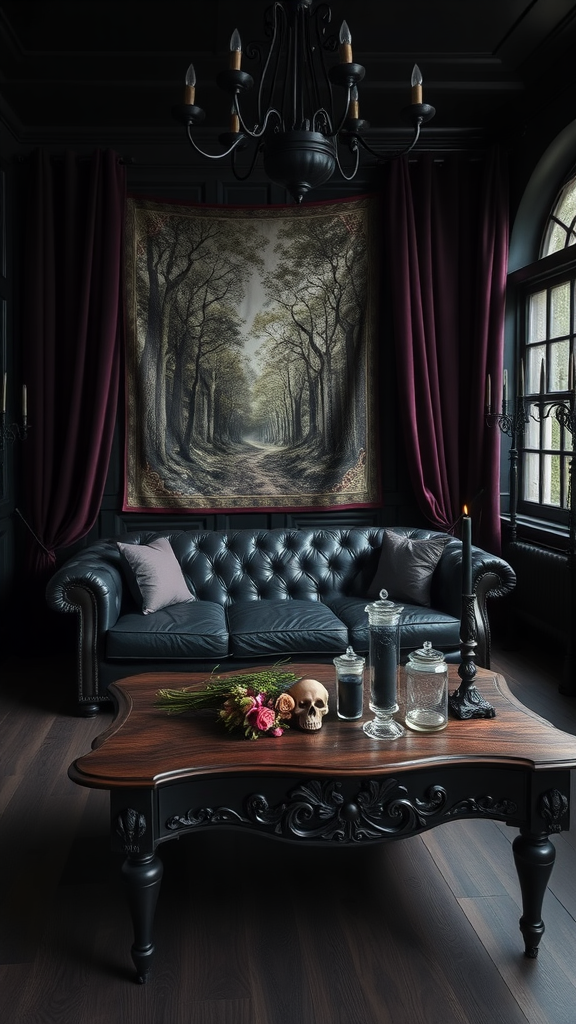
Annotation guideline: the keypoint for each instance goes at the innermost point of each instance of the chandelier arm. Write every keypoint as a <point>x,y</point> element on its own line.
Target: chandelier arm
<point>213,156</point>
<point>348,177</point>
<point>244,177</point>
<point>257,132</point>
<point>392,156</point>
<point>345,115</point>
<point>277,10</point>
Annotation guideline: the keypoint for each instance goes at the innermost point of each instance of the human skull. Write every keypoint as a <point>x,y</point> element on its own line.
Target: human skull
<point>311,700</point>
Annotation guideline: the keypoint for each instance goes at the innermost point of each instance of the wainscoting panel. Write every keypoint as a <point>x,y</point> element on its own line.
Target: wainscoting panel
<point>113,523</point>
<point>541,598</point>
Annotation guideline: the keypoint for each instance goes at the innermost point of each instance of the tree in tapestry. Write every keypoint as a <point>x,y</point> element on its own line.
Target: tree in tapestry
<point>250,356</point>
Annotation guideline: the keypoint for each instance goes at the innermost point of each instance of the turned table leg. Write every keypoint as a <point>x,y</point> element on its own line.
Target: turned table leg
<point>534,857</point>
<point>142,876</point>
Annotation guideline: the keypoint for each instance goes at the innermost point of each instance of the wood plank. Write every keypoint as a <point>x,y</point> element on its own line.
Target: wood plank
<point>474,857</point>
<point>412,948</point>
<point>544,989</point>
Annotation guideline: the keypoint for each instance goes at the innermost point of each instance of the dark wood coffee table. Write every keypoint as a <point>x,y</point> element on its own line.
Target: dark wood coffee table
<point>169,776</point>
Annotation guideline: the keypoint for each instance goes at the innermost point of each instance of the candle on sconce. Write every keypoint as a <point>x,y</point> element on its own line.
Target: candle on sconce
<point>24,402</point>
<point>190,86</point>
<point>521,380</point>
<point>235,51</point>
<point>488,397</point>
<point>505,392</point>
<point>416,85</point>
<point>466,553</point>
<point>542,377</point>
<point>4,393</point>
<point>571,372</point>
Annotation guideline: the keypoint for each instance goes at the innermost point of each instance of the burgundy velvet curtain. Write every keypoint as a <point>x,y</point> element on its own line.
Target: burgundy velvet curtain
<point>446,232</point>
<point>71,343</point>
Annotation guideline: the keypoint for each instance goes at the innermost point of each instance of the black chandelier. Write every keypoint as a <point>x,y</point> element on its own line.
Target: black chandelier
<point>294,123</point>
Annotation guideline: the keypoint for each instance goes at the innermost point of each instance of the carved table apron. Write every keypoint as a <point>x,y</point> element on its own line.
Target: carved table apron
<point>173,775</point>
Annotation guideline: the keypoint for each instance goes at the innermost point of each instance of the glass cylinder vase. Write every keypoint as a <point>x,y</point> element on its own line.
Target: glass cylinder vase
<point>383,638</point>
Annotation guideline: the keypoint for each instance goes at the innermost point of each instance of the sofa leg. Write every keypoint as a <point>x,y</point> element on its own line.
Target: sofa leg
<point>88,710</point>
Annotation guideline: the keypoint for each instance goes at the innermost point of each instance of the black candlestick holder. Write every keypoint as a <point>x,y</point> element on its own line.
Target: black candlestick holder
<point>513,424</point>
<point>467,702</point>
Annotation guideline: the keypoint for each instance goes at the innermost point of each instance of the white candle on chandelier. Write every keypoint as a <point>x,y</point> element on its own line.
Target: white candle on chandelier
<point>234,121</point>
<point>571,372</point>
<point>235,51</point>
<point>345,40</point>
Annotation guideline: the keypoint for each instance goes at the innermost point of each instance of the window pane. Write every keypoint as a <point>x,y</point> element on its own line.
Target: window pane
<point>559,355</point>
<point>560,228</point>
<point>566,209</point>
<point>555,438</point>
<point>537,317</point>
<point>549,435</point>
<point>532,430</point>
<point>555,239</point>
<point>551,480</point>
<point>560,310</point>
<point>535,356</point>
<point>530,477</point>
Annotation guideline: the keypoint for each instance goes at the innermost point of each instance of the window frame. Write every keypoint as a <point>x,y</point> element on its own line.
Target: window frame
<point>545,274</point>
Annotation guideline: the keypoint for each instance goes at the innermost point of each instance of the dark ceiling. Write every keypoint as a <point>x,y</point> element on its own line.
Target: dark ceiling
<point>85,68</point>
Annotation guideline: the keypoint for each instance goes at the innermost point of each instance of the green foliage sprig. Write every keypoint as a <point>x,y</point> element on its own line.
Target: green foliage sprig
<point>254,702</point>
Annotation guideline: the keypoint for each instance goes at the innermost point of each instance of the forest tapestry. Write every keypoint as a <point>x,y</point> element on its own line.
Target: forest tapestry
<point>251,356</point>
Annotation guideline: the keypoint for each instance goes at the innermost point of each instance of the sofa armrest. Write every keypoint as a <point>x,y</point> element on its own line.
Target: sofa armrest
<point>89,586</point>
<point>492,577</point>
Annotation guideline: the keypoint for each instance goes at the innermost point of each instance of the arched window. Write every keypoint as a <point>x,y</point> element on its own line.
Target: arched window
<point>561,227</point>
<point>547,346</point>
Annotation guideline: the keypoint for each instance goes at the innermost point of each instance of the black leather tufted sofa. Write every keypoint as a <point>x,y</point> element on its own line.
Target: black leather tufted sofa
<point>261,596</point>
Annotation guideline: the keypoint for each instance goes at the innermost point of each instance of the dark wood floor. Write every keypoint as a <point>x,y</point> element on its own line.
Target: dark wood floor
<point>423,931</point>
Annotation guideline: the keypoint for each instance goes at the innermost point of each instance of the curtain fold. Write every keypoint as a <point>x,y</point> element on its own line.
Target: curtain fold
<point>72,298</point>
<point>446,235</point>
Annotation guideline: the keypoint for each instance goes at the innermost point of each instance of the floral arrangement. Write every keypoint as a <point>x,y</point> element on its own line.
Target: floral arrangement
<point>255,703</point>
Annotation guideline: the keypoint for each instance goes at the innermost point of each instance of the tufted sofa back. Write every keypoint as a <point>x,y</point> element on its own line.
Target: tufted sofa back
<point>226,566</point>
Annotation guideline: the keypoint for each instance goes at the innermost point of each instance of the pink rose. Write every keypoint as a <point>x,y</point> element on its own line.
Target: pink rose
<point>261,718</point>
<point>277,732</point>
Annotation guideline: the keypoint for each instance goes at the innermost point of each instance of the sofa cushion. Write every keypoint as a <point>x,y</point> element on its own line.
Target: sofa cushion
<point>416,625</point>
<point>186,630</point>
<point>153,575</point>
<point>406,567</point>
<point>265,628</point>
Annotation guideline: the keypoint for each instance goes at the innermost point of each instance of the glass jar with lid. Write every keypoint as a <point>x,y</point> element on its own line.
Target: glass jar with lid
<point>426,690</point>
<point>349,684</point>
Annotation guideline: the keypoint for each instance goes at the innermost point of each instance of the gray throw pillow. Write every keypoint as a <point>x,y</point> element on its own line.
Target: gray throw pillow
<point>406,567</point>
<point>154,575</point>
